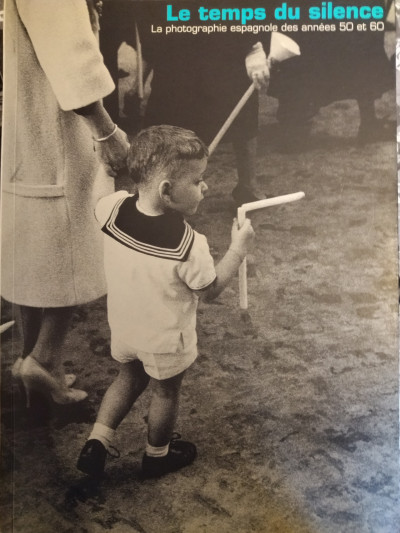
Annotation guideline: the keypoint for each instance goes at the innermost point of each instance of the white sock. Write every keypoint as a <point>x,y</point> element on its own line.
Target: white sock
<point>157,451</point>
<point>102,433</point>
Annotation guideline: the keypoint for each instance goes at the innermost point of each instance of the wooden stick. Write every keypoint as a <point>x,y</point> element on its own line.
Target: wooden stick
<point>139,62</point>
<point>241,215</point>
<point>281,52</point>
<point>4,327</point>
<point>236,110</point>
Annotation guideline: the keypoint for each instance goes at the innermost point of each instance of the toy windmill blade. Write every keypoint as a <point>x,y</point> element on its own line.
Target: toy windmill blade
<point>282,47</point>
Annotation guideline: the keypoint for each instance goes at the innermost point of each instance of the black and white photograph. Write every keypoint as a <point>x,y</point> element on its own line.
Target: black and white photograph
<point>213,184</point>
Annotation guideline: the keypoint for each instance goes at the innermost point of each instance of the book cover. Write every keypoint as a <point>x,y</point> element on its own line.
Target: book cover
<point>292,402</point>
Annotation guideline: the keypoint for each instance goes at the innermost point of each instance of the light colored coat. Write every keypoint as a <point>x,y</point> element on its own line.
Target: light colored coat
<point>51,246</point>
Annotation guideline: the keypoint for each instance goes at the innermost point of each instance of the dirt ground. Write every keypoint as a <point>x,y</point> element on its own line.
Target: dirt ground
<point>293,407</point>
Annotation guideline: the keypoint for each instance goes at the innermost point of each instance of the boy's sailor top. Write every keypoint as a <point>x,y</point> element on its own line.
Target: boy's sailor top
<point>153,265</point>
<point>167,236</point>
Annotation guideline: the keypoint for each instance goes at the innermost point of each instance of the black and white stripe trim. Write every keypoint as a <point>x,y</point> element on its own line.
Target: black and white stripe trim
<point>180,253</point>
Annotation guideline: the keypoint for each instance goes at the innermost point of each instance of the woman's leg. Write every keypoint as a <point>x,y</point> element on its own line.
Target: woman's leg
<point>50,336</point>
<point>43,333</point>
<point>41,369</point>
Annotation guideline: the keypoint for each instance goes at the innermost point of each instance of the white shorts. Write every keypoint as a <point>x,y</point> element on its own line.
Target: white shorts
<point>157,365</point>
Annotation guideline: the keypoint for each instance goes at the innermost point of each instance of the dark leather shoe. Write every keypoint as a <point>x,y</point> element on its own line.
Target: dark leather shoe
<point>181,453</point>
<point>92,459</point>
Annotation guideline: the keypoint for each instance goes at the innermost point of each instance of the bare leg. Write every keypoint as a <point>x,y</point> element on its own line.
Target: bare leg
<point>53,329</point>
<point>117,402</point>
<point>41,369</point>
<point>131,381</point>
<point>163,409</point>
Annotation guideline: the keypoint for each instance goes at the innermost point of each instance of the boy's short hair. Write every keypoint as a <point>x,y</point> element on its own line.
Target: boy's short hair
<point>162,148</point>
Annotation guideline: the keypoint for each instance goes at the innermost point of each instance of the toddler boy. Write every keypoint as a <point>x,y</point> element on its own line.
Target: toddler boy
<point>156,267</point>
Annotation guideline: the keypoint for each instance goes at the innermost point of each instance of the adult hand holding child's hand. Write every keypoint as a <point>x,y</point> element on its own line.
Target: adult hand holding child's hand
<point>113,152</point>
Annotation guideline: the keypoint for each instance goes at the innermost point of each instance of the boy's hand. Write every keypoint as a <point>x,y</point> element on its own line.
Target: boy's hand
<point>242,239</point>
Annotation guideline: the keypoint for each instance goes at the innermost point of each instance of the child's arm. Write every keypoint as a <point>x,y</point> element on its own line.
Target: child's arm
<point>241,241</point>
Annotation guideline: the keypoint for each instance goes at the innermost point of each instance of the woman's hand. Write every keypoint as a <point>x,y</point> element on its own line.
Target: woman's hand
<point>113,152</point>
<point>110,143</point>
